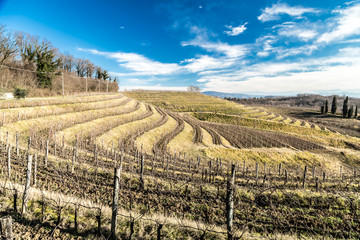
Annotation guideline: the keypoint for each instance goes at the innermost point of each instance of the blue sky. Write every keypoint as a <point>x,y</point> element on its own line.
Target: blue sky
<point>255,47</point>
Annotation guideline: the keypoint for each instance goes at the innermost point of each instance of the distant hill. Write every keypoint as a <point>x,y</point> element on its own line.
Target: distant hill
<point>301,100</point>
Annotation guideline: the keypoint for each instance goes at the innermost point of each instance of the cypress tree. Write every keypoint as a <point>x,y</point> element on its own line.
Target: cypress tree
<point>356,112</point>
<point>322,109</point>
<point>345,107</point>
<point>334,105</point>
<point>326,106</point>
<point>351,111</point>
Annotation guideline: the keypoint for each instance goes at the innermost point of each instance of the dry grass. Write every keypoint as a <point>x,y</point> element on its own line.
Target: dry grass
<point>125,130</point>
<point>148,139</point>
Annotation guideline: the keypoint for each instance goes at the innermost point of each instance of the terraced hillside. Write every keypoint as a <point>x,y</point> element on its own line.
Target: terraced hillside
<point>174,151</point>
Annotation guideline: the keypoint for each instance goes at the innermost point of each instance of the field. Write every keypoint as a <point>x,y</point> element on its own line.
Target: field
<point>178,156</point>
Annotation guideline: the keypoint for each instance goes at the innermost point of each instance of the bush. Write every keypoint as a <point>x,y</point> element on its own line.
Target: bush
<point>20,92</point>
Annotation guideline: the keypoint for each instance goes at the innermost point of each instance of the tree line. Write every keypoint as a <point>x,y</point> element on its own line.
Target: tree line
<point>347,111</point>
<point>21,50</point>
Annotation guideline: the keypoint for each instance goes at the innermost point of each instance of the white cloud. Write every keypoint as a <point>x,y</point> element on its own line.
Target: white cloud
<point>137,63</point>
<point>337,73</point>
<point>234,31</point>
<point>205,62</point>
<point>274,12</point>
<point>232,51</point>
<point>347,24</point>
<point>296,31</point>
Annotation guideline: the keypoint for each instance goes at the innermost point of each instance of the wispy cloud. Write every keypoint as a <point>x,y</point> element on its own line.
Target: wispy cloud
<point>234,31</point>
<point>310,76</point>
<point>273,13</point>
<point>304,32</point>
<point>201,40</point>
<point>346,24</point>
<point>138,63</point>
<point>205,62</point>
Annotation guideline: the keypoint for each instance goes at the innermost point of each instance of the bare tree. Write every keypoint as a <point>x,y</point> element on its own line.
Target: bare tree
<point>193,88</point>
<point>80,67</point>
<point>69,62</point>
<point>7,45</point>
<point>90,68</point>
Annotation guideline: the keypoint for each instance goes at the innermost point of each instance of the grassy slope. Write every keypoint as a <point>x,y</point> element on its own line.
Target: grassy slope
<point>217,110</point>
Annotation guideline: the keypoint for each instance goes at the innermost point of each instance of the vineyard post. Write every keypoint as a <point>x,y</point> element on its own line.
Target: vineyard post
<point>17,144</point>
<point>324,176</point>
<point>317,184</point>
<point>265,168</point>
<point>6,228</point>
<point>46,152</point>
<point>115,158</point>
<point>7,139</point>
<point>142,172</point>
<point>189,164</point>
<point>15,200</point>
<point>341,168</point>
<point>27,185</point>
<point>354,173</point>
<point>286,177</point>
<point>313,172</point>
<point>98,219</point>
<point>257,172</point>
<point>210,170</point>
<point>3,120</point>
<point>115,206</point>
<point>158,235</point>
<point>9,161</point>
<point>280,166</point>
<point>54,144</point>
<point>73,160</point>
<point>76,217</point>
<point>29,145</point>
<point>153,164</point>
<point>244,169</point>
<point>230,202</point>
<point>35,169</point>
<point>304,177</point>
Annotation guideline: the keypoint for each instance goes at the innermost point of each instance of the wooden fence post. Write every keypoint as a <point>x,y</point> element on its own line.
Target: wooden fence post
<point>46,153</point>
<point>29,146</point>
<point>230,203</point>
<point>341,169</point>
<point>35,169</point>
<point>27,185</point>
<point>115,206</point>
<point>9,161</point>
<point>17,144</point>
<point>158,235</point>
<point>15,200</point>
<point>6,228</point>
<point>257,172</point>
<point>73,160</point>
<point>280,166</point>
<point>54,144</point>
<point>304,177</point>
<point>76,217</point>
<point>142,172</point>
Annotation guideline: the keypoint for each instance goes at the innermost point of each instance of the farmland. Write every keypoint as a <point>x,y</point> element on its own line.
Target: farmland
<point>175,151</point>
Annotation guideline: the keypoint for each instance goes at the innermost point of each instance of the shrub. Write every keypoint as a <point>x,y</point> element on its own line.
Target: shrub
<point>20,92</point>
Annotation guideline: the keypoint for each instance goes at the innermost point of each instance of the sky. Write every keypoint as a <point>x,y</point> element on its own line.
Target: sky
<point>261,47</point>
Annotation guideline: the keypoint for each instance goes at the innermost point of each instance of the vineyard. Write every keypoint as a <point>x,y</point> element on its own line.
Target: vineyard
<point>173,165</point>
